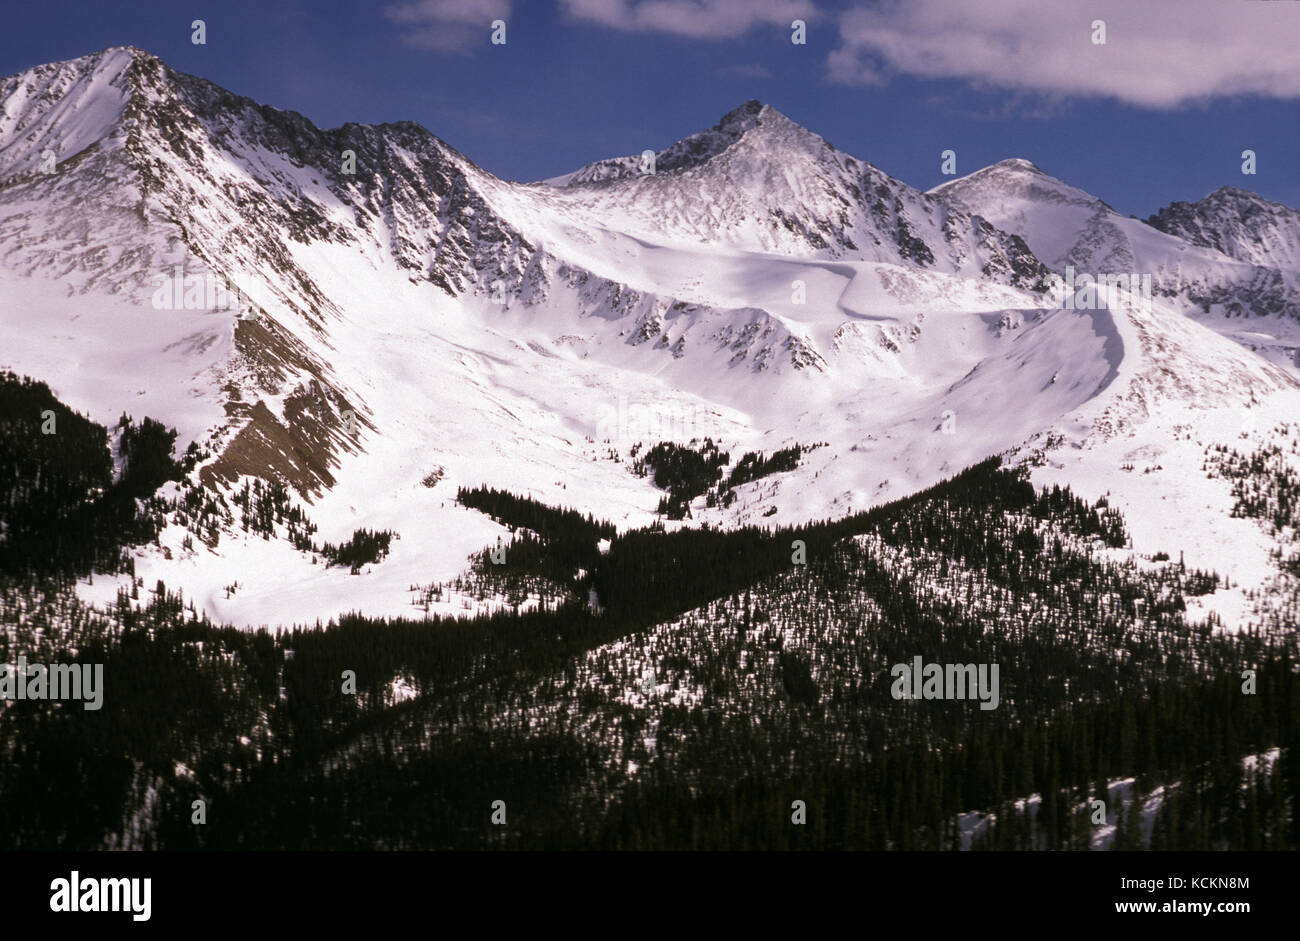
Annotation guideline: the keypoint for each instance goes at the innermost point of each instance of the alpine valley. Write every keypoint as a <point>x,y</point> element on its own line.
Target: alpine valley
<point>388,491</point>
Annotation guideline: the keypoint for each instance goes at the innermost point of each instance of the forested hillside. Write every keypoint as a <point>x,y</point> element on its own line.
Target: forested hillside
<point>62,506</point>
<point>721,678</point>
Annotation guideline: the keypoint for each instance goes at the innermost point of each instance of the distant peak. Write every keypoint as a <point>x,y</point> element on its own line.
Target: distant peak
<point>1016,174</point>
<point>1235,192</point>
<point>750,109</point>
<point>134,51</point>
<point>1221,197</point>
<point>1018,163</point>
<point>995,171</point>
<point>1237,195</point>
<point>754,121</point>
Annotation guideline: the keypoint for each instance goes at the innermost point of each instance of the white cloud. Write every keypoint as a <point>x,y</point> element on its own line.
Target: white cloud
<point>1158,53</point>
<point>448,25</point>
<point>695,19</point>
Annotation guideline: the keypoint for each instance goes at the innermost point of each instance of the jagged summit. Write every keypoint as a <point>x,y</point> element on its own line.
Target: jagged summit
<point>1234,199</point>
<point>1237,192</point>
<point>751,118</point>
<point>67,107</point>
<point>1239,223</point>
<point>745,114</point>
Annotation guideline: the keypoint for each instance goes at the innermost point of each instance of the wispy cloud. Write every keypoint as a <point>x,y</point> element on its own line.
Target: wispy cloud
<point>1159,54</point>
<point>448,25</point>
<point>694,19</point>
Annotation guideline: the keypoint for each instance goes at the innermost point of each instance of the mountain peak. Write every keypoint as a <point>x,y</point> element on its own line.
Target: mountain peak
<point>1016,177</point>
<point>753,114</point>
<point>1240,224</point>
<point>698,149</point>
<point>59,109</point>
<point>1011,168</point>
<point>749,109</point>
<point>1018,163</point>
<point>123,51</point>
<point>1226,193</point>
<point>749,115</point>
<point>110,61</point>
<point>1224,199</point>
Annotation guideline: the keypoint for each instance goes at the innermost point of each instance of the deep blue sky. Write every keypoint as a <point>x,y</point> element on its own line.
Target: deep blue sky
<point>562,93</point>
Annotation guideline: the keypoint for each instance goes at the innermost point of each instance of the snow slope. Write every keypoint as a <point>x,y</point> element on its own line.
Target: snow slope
<point>760,288</point>
<point>1229,260</point>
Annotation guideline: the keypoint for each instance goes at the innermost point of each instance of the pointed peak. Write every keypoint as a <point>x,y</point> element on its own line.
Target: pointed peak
<point>1016,169</point>
<point>739,120</point>
<point>699,148</point>
<point>751,114</point>
<point>746,116</point>
<point>1018,175</point>
<point>1018,163</point>
<point>1016,166</point>
<point>751,108</point>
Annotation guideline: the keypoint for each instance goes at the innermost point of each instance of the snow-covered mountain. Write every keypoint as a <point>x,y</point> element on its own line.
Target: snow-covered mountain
<point>407,323</point>
<point>1228,257</point>
<point>759,182</point>
<point>1241,224</point>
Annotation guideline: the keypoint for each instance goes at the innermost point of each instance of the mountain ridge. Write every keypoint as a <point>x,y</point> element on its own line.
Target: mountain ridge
<point>412,317</point>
